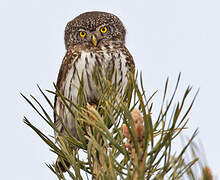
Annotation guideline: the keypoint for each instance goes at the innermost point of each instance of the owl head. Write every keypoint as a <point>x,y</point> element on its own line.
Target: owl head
<point>94,29</point>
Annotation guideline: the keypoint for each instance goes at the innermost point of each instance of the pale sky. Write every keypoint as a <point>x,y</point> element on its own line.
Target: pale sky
<point>165,37</point>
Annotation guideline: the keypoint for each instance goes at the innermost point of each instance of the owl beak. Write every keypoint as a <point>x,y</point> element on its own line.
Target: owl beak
<point>94,40</point>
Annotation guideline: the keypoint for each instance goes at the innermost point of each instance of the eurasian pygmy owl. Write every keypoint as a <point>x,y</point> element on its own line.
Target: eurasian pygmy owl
<point>91,39</point>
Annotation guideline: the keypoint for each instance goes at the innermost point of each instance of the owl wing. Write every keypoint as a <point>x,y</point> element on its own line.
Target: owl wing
<point>129,59</point>
<point>68,59</point>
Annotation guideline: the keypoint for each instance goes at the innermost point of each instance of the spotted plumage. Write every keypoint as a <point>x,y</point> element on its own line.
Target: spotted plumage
<point>93,39</point>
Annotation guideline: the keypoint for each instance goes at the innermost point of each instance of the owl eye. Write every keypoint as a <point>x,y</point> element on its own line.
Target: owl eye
<point>103,30</point>
<point>82,33</point>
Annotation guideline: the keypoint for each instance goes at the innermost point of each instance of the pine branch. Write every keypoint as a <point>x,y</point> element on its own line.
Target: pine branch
<point>120,137</point>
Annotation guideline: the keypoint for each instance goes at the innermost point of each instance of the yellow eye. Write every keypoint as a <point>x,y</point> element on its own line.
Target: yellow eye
<point>103,30</point>
<point>82,33</point>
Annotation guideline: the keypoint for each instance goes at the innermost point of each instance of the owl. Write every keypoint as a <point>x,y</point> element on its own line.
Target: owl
<point>92,39</point>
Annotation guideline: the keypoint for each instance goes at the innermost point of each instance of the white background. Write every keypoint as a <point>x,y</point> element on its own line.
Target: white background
<point>165,37</point>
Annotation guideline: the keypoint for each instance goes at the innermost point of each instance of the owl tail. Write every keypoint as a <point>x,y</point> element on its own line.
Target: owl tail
<point>61,166</point>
